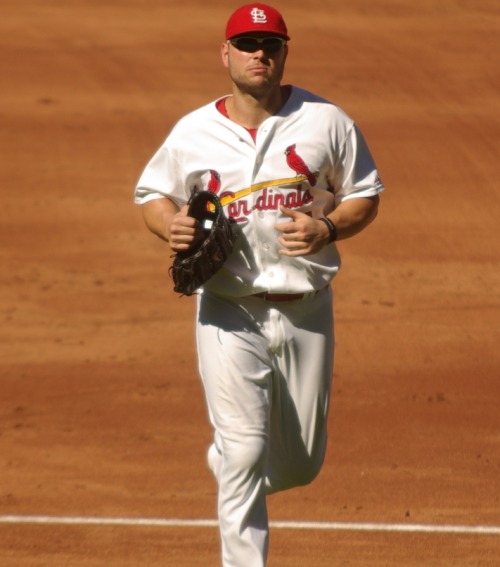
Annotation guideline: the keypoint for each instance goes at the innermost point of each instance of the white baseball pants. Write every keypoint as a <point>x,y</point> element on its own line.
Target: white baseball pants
<point>267,372</point>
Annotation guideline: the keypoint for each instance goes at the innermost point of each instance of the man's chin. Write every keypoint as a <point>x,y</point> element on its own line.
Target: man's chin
<point>259,86</point>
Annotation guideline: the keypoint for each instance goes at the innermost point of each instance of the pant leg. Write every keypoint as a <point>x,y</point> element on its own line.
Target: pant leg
<point>302,378</point>
<point>267,371</point>
<point>236,372</point>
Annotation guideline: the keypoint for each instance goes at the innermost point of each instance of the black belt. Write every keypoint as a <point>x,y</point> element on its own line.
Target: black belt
<point>277,297</point>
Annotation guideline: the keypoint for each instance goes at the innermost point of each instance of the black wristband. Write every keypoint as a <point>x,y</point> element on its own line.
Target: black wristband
<point>331,228</point>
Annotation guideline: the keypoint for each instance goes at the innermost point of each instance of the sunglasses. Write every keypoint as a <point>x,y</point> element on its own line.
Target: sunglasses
<point>253,44</point>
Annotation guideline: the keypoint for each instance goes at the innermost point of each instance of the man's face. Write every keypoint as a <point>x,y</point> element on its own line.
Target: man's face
<point>255,68</point>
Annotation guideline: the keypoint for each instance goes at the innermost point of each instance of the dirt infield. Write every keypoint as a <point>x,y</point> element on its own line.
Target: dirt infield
<point>101,411</point>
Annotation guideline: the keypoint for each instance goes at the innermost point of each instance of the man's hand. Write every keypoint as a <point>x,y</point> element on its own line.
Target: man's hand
<point>184,231</point>
<point>302,235</point>
<point>163,218</point>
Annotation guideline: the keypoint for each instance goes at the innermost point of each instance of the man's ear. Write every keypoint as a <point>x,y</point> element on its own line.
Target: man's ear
<point>224,51</point>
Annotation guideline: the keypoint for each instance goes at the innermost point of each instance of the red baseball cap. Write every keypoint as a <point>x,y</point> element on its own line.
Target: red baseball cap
<point>253,18</point>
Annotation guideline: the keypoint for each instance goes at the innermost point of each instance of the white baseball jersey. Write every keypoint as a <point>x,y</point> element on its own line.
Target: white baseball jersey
<point>309,157</point>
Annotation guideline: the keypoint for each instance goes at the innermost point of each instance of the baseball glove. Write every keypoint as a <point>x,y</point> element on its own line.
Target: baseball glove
<point>194,267</point>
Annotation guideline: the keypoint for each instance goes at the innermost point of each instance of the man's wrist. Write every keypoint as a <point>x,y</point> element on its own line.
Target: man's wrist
<point>332,229</point>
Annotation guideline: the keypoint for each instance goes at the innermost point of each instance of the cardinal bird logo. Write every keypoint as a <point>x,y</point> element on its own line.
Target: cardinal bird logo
<point>296,163</point>
<point>214,182</point>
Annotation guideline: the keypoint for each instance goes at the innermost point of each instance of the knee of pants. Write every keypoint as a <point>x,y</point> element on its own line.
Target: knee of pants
<point>306,472</point>
<point>295,474</point>
<point>246,455</point>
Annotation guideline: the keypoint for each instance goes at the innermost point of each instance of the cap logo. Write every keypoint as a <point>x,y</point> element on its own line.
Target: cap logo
<point>258,16</point>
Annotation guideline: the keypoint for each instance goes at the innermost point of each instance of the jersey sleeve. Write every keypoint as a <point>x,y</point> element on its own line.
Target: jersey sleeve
<point>355,173</point>
<point>160,179</point>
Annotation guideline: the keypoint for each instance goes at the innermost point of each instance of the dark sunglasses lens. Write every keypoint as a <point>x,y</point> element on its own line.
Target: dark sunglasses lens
<point>272,44</point>
<point>247,44</point>
<point>251,44</point>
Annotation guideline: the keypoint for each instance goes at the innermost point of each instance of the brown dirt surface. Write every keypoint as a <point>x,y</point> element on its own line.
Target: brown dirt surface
<point>101,410</point>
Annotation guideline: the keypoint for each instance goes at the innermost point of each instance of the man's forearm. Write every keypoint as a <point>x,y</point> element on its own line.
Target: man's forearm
<point>353,215</point>
<point>158,215</point>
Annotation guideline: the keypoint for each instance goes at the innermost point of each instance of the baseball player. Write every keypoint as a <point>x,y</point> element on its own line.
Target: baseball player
<point>294,175</point>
